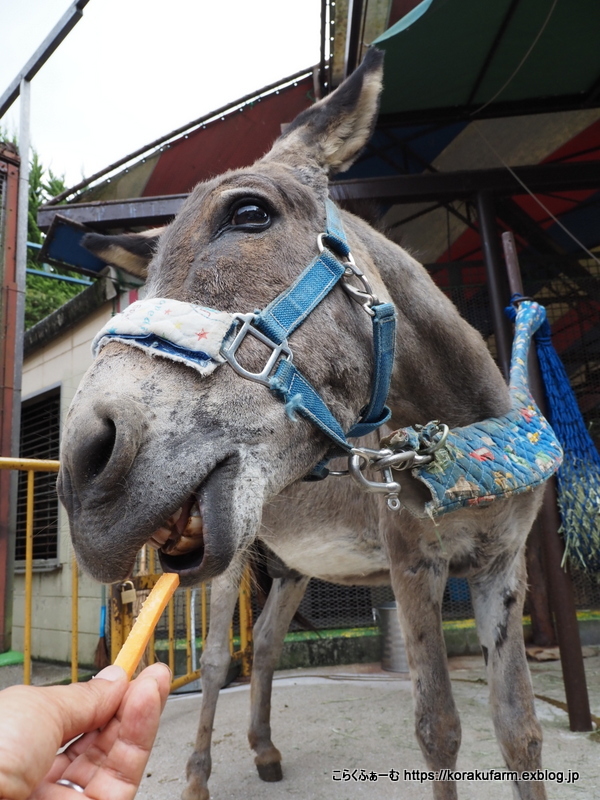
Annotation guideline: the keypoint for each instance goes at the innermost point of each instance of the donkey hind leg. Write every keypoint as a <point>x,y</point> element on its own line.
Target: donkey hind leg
<point>214,664</point>
<point>269,632</point>
<point>498,598</point>
<point>419,588</point>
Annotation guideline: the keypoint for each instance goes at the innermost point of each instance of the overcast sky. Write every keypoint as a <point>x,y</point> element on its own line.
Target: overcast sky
<point>132,70</point>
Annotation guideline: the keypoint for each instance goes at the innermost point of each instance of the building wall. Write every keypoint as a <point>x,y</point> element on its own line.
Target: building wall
<point>63,362</point>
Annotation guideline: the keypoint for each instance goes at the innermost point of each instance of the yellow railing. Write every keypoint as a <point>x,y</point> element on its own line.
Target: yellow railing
<point>122,614</point>
<point>31,466</point>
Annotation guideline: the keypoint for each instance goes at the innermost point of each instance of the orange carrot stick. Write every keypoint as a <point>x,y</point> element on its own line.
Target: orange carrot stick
<point>156,602</point>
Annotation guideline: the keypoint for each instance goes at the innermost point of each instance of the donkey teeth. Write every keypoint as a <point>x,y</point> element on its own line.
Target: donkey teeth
<point>189,539</point>
<point>159,537</point>
<point>185,545</point>
<point>194,526</point>
<point>174,517</point>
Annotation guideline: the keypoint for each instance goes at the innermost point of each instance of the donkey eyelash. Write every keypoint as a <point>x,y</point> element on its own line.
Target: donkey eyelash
<point>249,201</point>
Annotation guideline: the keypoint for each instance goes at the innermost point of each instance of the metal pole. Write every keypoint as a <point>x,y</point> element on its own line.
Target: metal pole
<point>19,316</point>
<point>62,28</point>
<point>171,609</point>
<point>28,578</point>
<point>9,165</point>
<point>204,617</point>
<point>193,628</point>
<point>74,621</point>
<point>188,631</point>
<point>561,589</point>
<point>21,258</point>
<point>245,623</point>
<point>495,277</point>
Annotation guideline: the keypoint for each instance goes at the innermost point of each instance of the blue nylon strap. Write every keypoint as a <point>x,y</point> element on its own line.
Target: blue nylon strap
<point>335,237</point>
<point>300,396</point>
<point>281,317</point>
<point>384,342</point>
<point>289,310</point>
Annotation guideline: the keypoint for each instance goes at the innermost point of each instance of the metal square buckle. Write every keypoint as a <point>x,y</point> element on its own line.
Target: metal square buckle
<point>228,350</point>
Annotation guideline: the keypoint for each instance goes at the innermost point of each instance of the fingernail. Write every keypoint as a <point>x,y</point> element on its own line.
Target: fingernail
<point>112,673</point>
<point>160,664</point>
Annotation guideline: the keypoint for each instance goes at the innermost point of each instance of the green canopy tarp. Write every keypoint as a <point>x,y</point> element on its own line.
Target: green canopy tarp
<point>448,58</point>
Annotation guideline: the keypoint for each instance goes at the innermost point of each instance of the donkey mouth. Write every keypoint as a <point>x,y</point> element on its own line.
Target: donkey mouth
<point>180,540</point>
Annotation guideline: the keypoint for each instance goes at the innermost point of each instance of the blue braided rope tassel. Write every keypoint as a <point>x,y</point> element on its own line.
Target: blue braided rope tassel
<point>579,475</point>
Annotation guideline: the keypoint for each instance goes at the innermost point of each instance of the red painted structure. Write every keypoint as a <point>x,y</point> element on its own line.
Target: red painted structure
<point>236,140</point>
<point>9,178</point>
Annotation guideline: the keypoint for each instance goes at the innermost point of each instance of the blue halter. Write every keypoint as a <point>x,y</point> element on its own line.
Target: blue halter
<point>275,323</point>
<point>202,338</point>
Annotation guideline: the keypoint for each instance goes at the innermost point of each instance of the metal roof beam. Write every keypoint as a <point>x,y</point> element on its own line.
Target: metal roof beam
<point>441,187</point>
<point>499,108</point>
<point>60,31</point>
<point>141,211</point>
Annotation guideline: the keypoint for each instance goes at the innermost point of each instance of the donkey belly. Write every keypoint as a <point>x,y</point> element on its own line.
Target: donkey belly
<point>332,554</point>
<point>327,530</point>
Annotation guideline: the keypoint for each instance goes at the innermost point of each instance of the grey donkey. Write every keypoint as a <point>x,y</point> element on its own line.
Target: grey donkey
<point>202,466</point>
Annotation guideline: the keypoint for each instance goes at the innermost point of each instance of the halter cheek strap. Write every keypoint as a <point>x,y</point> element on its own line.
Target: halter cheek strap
<point>202,338</point>
<point>286,312</point>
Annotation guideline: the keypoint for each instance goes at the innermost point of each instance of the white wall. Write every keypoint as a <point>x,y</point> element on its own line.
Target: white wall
<point>63,361</point>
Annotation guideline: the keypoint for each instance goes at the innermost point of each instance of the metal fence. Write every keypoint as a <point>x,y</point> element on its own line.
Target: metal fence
<point>182,628</point>
<point>179,636</point>
<point>31,466</point>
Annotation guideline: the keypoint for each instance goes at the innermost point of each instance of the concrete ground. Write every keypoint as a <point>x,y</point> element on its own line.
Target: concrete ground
<point>42,674</point>
<point>360,717</point>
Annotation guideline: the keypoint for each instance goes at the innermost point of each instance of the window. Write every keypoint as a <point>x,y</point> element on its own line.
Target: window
<point>40,437</point>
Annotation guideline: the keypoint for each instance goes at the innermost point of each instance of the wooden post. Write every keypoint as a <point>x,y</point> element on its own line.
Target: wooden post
<point>495,278</point>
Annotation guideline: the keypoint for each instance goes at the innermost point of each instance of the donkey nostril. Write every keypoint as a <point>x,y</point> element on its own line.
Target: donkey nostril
<point>101,443</point>
<point>101,449</point>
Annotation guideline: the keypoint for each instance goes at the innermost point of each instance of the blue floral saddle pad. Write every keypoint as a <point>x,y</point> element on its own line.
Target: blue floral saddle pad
<point>500,456</point>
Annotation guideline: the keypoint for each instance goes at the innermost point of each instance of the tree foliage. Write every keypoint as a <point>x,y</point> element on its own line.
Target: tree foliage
<point>44,295</point>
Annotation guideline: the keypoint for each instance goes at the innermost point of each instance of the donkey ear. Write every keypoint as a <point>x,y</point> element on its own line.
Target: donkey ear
<point>334,130</point>
<point>131,252</point>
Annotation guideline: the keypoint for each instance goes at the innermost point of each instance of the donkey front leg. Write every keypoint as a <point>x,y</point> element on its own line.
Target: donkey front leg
<point>418,585</point>
<point>214,664</point>
<point>269,632</point>
<point>498,597</point>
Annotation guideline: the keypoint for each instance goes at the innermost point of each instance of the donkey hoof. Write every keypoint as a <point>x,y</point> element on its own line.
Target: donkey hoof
<point>270,772</point>
<point>195,793</point>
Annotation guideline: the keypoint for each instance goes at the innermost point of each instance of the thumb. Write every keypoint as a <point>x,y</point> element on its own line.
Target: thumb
<point>85,707</point>
<point>59,714</point>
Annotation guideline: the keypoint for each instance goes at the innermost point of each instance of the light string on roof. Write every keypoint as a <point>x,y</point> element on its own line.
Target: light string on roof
<point>520,64</point>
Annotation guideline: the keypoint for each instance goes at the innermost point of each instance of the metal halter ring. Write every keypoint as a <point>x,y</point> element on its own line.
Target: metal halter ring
<point>444,430</point>
<point>365,296</point>
<point>75,786</point>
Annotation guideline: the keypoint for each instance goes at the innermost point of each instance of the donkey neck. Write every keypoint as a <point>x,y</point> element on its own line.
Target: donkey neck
<point>443,367</point>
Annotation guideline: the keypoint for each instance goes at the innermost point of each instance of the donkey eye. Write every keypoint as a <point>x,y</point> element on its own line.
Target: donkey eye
<point>251,215</point>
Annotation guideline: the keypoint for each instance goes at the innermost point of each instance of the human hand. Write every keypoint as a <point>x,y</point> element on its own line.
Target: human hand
<point>119,720</point>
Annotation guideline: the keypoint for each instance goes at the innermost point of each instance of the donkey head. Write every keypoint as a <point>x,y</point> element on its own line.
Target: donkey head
<point>154,451</point>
